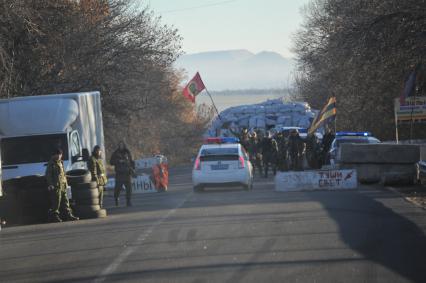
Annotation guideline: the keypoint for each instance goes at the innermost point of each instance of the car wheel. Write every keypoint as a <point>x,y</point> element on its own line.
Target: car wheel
<point>85,186</point>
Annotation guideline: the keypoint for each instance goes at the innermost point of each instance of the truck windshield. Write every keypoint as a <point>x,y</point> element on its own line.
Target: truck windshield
<point>32,149</point>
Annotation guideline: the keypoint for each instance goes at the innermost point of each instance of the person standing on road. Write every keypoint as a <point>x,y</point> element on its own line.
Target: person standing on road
<point>269,153</point>
<point>254,152</point>
<point>244,137</point>
<point>97,168</point>
<point>313,152</point>
<point>327,140</point>
<point>124,166</point>
<point>296,147</point>
<point>57,187</point>
<point>282,152</point>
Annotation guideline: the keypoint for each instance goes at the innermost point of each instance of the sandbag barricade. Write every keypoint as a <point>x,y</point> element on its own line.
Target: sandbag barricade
<point>273,113</point>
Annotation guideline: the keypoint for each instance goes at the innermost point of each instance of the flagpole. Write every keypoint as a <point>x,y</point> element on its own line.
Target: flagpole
<point>412,120</point>
<point>396,123</point>
<point>335,119</point>
<point>214,105</point>
<point>415,103</point>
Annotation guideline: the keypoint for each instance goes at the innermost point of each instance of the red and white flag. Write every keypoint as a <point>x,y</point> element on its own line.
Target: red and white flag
<point>194,87</point>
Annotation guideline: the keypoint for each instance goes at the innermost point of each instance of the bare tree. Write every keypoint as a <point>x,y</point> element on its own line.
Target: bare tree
<point>56,46</point>
<point>360,52</point>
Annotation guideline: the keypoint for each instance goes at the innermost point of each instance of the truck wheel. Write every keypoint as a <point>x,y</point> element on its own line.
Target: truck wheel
<point>85,194</point>
<point>85,186</point>
<point>89,211</point>
<point>85,209</point>
<point>102,213</point>
<point>78,176</point>
<point>87,201</point>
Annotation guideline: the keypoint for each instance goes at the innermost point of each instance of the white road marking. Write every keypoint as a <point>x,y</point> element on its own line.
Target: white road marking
<point>132,248</point>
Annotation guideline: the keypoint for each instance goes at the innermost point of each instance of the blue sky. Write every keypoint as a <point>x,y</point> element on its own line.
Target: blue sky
<point>256,25</point>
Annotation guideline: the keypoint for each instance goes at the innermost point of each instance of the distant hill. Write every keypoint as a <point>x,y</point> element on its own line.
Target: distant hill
<point>238,69</point>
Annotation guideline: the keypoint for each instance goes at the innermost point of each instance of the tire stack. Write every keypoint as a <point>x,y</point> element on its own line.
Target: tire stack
<point>85,195</point>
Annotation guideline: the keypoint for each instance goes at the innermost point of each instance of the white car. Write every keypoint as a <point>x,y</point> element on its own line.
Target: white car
<point>222,162</point>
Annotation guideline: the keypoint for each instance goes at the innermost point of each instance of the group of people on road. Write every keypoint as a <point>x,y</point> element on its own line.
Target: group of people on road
<point>57,183</point>
<point>284,151</point>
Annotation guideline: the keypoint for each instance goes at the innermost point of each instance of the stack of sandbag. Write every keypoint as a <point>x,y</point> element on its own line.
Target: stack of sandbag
<point>266,115</point>
<point>391,164</point>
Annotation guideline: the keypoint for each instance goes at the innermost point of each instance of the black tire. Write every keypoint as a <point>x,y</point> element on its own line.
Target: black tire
<point>81,210</point>
<point>78,176</point>
<point>87,201</point>
<point>84,194</point>
<point>85,186</point>
<point>102,213</point>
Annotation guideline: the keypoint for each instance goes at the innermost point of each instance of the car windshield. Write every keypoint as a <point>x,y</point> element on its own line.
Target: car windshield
<point>219,151</point>
<point>32,149</point>
<point>219,154</point>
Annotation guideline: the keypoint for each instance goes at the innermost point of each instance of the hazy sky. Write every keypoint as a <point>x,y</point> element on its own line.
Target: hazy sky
<point>255,25</point>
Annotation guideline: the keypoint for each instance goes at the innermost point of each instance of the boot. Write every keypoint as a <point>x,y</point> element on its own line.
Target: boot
<point>129,203</point>
<point>71,217</point>
<point>54,218</point>
<point>116,201</point>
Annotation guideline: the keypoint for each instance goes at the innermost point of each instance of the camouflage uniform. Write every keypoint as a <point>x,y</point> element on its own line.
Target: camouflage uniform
<point>122,160</point>
<point>282,152</point>
<point>269,154</point>
<point>327,140</point>
<point>97,168</point>
<point>296,147</point>
<point>57,182</point>
<point>254,153</point>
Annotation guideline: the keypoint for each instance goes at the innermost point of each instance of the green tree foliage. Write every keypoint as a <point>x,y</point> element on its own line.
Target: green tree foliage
<point>57,46</point>
<point>360,51</point>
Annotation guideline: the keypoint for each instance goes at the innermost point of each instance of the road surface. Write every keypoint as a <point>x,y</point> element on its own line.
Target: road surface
<point>368,235</point>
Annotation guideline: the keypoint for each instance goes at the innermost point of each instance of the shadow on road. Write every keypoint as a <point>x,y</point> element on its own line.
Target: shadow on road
<point>379,233</point>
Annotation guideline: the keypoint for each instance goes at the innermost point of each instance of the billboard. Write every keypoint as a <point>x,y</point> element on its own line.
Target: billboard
<point>414,108</point>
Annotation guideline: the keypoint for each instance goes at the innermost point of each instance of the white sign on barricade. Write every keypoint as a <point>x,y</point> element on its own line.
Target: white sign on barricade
<point>148,163</point>
<point>314,180</point>
<point>142,184</point>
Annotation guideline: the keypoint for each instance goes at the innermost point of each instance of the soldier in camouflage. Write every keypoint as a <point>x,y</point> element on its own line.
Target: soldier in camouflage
<point>124,166</point>
<point>57,187</point>
<point>97,168</point>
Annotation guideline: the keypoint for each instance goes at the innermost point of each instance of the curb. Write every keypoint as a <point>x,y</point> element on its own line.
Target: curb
<point>407,199</point>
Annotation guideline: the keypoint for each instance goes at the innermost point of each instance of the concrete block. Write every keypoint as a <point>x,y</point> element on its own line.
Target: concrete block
<point>379,153</point>
<point>374,173</point>
<point>397,179</point>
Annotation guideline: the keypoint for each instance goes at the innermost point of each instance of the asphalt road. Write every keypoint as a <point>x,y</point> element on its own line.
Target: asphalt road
<point>367,235</point>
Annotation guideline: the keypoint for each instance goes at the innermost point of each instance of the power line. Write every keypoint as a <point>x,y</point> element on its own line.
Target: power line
<point>198,7</point>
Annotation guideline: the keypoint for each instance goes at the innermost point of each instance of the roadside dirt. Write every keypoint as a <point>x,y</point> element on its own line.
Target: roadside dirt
<point>415,194</point>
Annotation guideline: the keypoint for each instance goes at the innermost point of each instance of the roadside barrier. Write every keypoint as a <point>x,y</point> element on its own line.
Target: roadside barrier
<point>316,180</point>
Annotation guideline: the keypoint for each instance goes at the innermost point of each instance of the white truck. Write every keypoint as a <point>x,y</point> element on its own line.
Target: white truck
<point>32,127</point>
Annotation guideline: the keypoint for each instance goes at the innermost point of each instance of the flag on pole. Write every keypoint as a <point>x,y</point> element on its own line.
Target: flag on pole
<point>409,85</point>
<point>328,112</point>
<point>194,87</point>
